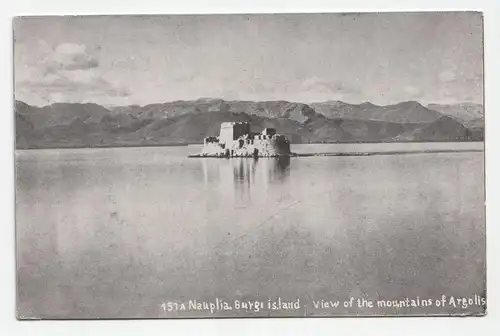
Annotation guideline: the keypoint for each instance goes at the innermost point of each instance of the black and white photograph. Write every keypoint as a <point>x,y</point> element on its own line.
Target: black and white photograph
<point>249,165</point>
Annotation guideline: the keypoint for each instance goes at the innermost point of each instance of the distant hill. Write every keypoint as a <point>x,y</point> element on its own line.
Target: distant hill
<point>462,112</point>
<point>187,122</point>
<point>405,112</point>
<point>434,131</point>
<point>266,109</point>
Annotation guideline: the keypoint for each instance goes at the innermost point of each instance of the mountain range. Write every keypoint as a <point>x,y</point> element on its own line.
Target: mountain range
<point>186,122</point>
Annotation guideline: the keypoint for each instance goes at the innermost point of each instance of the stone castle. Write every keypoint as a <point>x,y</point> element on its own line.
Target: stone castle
<point>236,140</point>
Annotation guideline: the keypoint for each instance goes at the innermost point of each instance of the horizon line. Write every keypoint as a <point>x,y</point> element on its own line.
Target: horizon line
<point>254,101</point>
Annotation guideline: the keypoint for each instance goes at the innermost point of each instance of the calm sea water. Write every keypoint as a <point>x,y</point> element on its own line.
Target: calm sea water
<point>117,232</point>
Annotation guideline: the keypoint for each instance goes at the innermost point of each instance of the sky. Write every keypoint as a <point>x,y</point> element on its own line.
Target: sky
<point>383,58</point>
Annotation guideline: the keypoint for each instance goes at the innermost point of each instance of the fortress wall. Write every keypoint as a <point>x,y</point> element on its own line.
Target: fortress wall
<point>240,129</point>
<point>264,148</point>
<point>212,149</point>
<point>230,145</point>
<point>232,131</point>
<point>226,133</point>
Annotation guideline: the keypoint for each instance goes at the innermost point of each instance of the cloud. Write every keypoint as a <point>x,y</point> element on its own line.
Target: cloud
<point>447,76</point>
<point>72,86</point>
<point>71,56</point>
<point>64,83</point>
<point>65,73</point>
<point>329,86</point>
<point>412,92</point>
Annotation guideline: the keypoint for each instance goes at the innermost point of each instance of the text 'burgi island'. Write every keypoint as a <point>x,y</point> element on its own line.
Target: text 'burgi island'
<point>221,305</point>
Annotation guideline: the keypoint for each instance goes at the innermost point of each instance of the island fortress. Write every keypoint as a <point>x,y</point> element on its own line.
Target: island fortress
<point>236,140</point>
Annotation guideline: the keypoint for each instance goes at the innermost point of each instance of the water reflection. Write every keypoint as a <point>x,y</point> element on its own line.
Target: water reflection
<point>236,177</point>
<point>174,227</point>
<point>244,170</point>
<point>281,169</point>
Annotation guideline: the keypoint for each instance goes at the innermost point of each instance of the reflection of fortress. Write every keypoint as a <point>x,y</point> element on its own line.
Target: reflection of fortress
<point>273,170</point>
<point>236,140</point>
<point>237,176</point>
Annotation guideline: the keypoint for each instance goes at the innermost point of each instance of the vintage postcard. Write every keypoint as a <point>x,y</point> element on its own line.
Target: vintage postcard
<point>263,165</point>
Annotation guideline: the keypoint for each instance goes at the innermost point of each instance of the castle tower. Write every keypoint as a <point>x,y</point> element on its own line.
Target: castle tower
<point>230,131</point>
